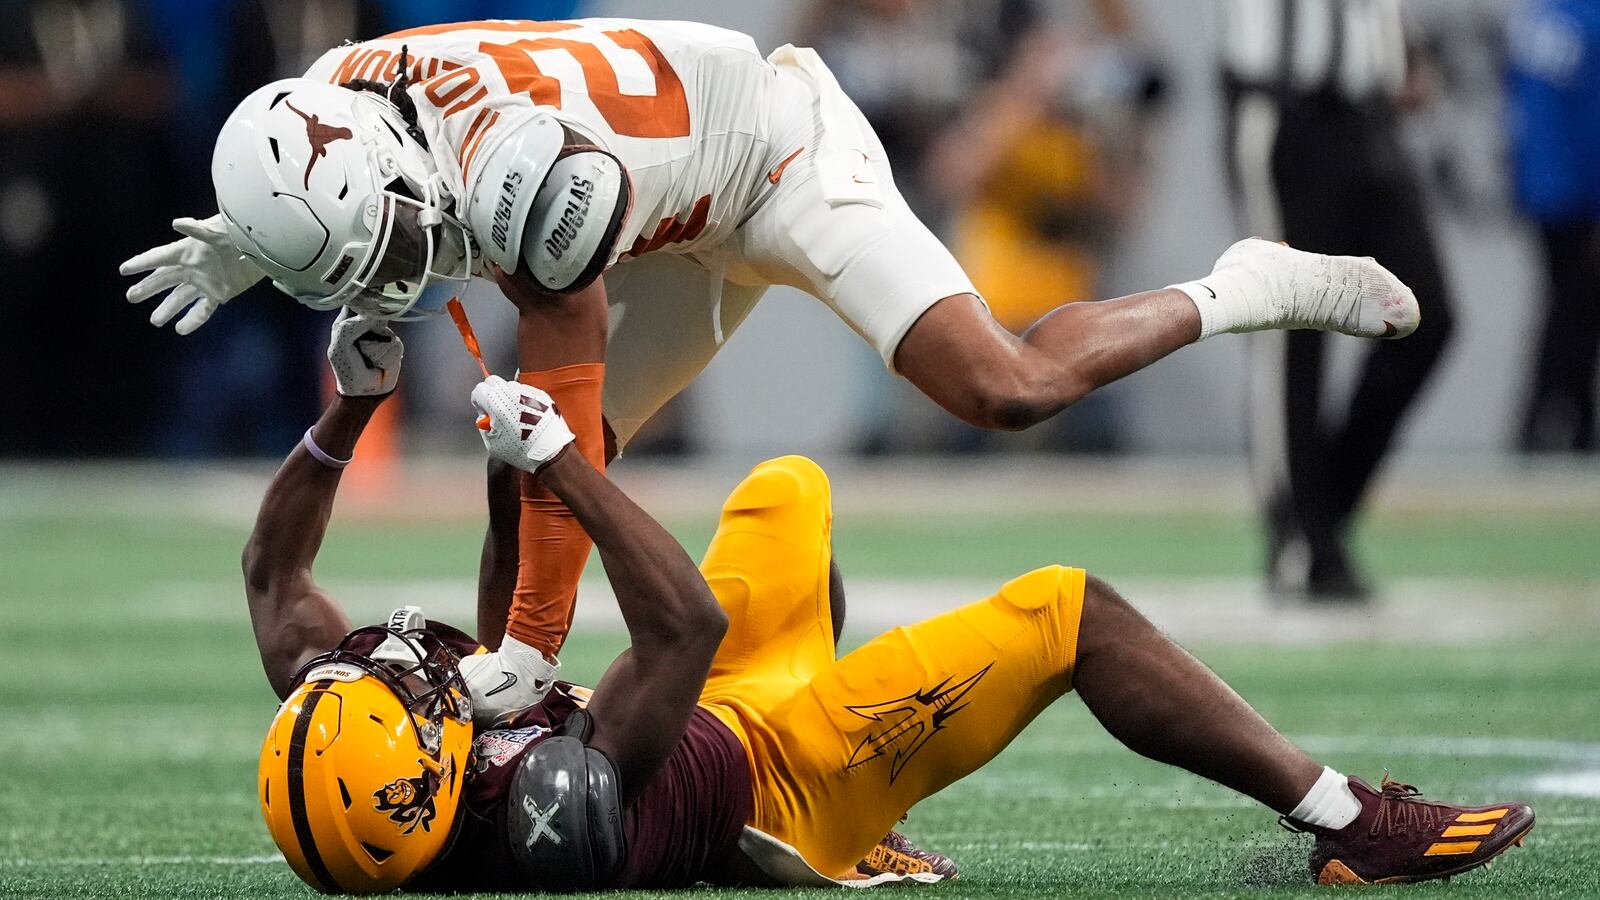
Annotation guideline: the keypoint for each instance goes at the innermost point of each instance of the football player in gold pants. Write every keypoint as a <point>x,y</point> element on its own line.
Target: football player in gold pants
<point>729,730</point>
<point>840,749</point>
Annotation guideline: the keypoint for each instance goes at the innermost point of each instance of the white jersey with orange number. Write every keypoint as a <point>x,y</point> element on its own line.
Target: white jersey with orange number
<point>747,172</point>
<point>681,104</point>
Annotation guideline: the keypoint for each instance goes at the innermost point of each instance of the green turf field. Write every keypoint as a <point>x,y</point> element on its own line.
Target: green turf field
<point>133,705</point>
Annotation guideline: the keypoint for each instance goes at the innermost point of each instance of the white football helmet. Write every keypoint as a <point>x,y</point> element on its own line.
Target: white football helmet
<point>324,189</point>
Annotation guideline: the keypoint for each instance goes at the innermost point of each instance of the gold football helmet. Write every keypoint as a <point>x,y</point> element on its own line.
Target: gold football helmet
<point>361,773</point>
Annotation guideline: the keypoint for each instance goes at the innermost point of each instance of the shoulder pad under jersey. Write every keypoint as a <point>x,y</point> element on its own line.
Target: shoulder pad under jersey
<point>500,192</point>
<point>564,818</point>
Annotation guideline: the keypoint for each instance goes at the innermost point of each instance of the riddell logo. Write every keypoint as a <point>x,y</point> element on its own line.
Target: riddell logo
<point>340,269</point>
<point>319,136</point>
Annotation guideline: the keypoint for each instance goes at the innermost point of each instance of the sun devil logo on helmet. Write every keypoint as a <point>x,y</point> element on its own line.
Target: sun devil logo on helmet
<point>408,801</point>
<point>572,218</point>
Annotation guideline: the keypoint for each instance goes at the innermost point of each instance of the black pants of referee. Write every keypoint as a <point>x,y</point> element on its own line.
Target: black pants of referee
<point>1560,414</point>
<point>1330,177</point>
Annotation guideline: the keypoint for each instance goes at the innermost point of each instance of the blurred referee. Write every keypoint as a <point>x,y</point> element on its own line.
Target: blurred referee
<point>1313,93</point>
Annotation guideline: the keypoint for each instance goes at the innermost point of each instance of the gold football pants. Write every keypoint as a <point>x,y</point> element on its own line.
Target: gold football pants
<point>840,749</point>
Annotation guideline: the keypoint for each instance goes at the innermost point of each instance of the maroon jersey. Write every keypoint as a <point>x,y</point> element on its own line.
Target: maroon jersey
<point>682,828</point>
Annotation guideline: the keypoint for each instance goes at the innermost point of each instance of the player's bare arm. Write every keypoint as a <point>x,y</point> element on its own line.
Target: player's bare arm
<point>497,565</point>
<point>643,703</point>
<point>644,700</point>
<point>556,329</point>
<point>293,618</point>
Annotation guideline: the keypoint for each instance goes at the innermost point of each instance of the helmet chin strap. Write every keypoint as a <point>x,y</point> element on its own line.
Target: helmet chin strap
<point>396,649</point>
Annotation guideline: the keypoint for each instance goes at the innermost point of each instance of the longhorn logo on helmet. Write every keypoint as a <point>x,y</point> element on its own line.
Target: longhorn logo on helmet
<point>320,136</point>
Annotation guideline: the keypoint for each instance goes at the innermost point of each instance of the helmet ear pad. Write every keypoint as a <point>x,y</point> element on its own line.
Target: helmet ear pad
<point>577,215</point>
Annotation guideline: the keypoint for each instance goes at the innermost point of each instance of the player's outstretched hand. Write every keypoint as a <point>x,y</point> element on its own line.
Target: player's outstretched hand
<point>365,355</point>
<point>204,270</point>
<point>519,423</point>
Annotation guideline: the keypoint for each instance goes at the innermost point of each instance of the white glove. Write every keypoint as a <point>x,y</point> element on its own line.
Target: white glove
<point>203,269</point>
<point>507,681</point>
<point>365,354</point>
<point>524,428</point>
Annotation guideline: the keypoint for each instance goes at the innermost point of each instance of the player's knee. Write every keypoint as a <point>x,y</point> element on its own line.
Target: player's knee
<point>1042,587</point>
<point>1098,592</point>
<point>1107,619</point>
<point>803,468</point>
<point>780,482</point>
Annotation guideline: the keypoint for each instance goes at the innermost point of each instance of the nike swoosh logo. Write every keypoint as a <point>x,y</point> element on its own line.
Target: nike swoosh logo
<point>1208,289</point>
<point>511,680</point>
<point>777,173</point>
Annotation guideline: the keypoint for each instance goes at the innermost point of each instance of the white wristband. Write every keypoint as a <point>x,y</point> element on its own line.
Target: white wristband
<point>320,456</point>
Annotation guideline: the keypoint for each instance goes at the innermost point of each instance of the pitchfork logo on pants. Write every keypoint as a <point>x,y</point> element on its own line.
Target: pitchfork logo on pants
<point>911,722</point>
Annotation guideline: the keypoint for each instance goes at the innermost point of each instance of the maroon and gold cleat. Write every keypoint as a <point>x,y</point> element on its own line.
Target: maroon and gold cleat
<point>1400,837</point>
<point>896,854</point>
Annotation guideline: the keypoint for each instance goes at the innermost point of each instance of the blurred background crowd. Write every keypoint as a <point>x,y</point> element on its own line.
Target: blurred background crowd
<point>1066,149</point>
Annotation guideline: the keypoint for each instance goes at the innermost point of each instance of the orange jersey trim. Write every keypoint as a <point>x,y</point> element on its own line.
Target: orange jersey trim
<point>470,148</point>
<point>675,230</point>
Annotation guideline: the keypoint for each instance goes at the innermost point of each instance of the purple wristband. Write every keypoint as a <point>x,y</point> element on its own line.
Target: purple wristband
<point>321,457</point>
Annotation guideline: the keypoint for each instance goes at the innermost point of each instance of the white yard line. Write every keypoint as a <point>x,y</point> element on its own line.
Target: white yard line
<point>1000,486</point>
<point>1433,611</point>
<point>1477,747</point>
<point>44,862</point>
<point>1584,783</point>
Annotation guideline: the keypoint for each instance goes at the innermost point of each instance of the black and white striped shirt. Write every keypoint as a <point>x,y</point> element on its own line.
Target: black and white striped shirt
<point>1354,49</point>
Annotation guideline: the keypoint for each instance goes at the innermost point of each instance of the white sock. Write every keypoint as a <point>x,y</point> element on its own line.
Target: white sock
<point>1244,290</point>
<point>1229,300</point>
<point>1329,804</point>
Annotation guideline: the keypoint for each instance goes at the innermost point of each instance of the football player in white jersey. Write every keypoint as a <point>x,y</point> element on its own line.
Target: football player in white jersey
<point>693,173</point>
